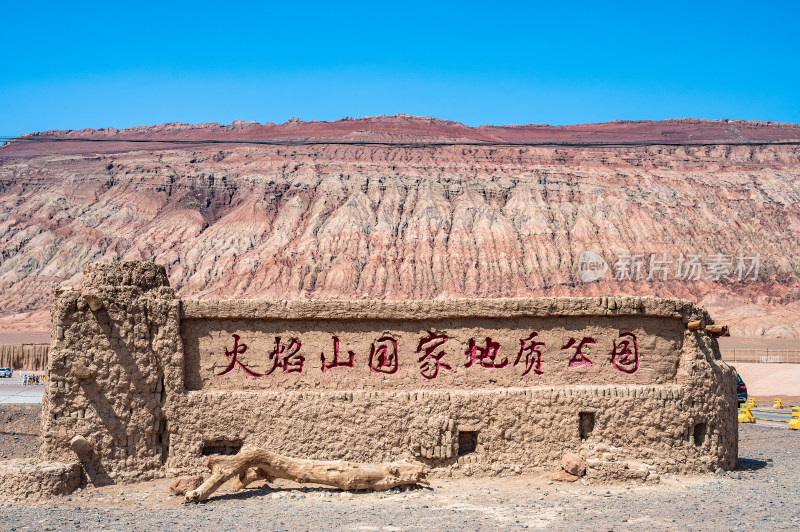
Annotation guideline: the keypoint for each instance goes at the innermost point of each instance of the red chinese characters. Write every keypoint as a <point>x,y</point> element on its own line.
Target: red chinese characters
<point>238,349</point>
<point>579,359</point>
<point>430,355</point>
<point>622,358</point>
<point>335,363</point>
<point>533,357</point>
<point>286,356</point>
<point>485,356</point>
<point>383,356</point>
<point>431,361</point>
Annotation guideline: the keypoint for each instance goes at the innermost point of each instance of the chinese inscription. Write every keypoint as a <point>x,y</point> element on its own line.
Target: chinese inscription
<point>431,355</point>
<point>485,356</point>
<point>579,359</point>
<point>431,361</point>
<point>383,356</point>
<point>335,363</point>
<point>286,356</point>
<point>234,356</point>
<point>622,358</point>
<point>533,356</point>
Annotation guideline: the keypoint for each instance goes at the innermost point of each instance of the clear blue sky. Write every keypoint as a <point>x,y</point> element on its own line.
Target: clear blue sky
<point>70,65</point>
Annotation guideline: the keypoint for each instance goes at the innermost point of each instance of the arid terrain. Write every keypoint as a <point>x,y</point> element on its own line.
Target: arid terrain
<point>759,493</point>
<point>418,208</point>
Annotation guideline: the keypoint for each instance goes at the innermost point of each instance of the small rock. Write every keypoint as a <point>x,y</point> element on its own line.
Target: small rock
<point>81,446</point>
<point>573,464</point>
<point>719,472</point>
<point>563,476</point>
<point>183,484</point>
<point>735,475</point>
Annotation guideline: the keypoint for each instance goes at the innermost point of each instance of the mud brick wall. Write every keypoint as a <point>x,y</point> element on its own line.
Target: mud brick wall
<point>155,384</point>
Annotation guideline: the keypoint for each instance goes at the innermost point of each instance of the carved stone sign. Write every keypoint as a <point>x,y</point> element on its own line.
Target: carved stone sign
<point>152,385</point>
<point>440,354</point>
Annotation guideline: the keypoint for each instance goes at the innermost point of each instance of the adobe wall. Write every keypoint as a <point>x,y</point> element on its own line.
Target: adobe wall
<point>155,384</point>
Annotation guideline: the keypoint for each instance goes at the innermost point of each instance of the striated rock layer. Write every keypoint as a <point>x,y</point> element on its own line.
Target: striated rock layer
<point>409,221</point>
<point>28,357</point>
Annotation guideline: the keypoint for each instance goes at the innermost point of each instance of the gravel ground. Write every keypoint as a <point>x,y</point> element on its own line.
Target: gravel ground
<point>19,431</point>
<point>765,497</point>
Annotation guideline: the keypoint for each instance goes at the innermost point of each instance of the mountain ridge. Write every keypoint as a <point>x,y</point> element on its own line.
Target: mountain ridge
<point>338,221</point>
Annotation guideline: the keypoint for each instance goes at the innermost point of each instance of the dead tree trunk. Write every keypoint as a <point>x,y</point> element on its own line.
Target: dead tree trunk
<point>255,464</point>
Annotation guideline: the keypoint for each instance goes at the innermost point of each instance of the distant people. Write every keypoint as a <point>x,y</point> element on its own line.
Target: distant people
<point>24,380</point>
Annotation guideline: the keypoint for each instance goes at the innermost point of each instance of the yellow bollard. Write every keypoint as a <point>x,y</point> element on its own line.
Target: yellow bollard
<point>745,415</point>
<point>777,404</point>
<point>794,423</point>
<point>751,403</point>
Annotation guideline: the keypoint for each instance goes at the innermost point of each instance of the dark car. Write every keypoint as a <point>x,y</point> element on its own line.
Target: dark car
<point>741,391</point>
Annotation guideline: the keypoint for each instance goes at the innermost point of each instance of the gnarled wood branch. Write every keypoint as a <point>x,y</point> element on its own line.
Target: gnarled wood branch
<point>255,464</point>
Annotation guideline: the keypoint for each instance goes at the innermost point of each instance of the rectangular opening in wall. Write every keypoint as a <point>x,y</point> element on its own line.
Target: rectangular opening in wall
<point>585,424</point>
<point>221,447</point>
<point>467,442</point>
<point>699,434</point>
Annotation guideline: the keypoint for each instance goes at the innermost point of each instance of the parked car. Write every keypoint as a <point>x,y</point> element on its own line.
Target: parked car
<point>6,372</point>
<point>741,391</point>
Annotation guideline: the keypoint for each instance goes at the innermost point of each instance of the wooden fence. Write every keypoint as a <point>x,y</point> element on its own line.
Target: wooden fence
<point>774,356</point>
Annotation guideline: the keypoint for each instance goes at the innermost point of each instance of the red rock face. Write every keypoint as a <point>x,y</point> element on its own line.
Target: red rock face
<point>408,222</point>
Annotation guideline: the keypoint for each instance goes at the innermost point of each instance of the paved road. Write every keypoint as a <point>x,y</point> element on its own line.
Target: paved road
<point>13,392</point>
<point>780,418</point>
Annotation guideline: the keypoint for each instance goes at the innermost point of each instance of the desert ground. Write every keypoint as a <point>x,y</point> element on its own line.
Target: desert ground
<point>760,494</point>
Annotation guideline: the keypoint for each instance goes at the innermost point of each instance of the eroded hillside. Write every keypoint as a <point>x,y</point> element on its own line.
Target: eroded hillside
<point>400,222</point>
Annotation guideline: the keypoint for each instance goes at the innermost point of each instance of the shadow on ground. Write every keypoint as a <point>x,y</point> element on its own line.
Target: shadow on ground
<point>750,464</point>
<point>250,492</point>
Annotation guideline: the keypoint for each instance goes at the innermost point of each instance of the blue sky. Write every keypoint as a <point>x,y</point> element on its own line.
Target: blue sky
<point>71,65</point>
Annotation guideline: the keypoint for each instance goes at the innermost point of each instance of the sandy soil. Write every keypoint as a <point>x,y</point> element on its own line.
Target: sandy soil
<point>761,493</point>
<point>24,337</point>
<point>19,430</point>
<point>770,380</point>
<point>740,342</point>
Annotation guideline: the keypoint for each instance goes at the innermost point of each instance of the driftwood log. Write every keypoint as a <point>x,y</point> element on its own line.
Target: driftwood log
<point>250,465</point>
<point>718,330</point>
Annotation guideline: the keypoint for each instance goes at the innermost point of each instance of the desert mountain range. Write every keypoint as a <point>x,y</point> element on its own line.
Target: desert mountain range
<point>409,207</point>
